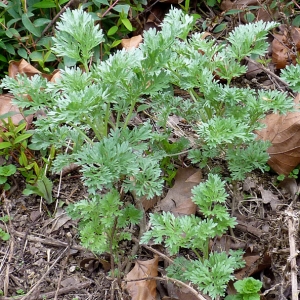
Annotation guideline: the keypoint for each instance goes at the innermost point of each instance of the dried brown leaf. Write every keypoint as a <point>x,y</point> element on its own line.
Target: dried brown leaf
<point>283,131</point>
<point>284,46</point>
<point>6,106</point>
<point>132,42</point>
<point>143,289</point>
<point>21,66</point>
<point>178,199</point>
<point>254,264</point>
<point>91,264</point>
<point>290,186</point>
<point>268,197</point>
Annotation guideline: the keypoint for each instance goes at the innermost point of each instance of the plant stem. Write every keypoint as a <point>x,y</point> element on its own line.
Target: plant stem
<point>133,102</point>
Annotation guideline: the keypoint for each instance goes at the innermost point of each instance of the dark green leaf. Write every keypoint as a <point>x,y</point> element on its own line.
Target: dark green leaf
<point>29,26</point>
<point>220,27</point>
<point>45,4</point>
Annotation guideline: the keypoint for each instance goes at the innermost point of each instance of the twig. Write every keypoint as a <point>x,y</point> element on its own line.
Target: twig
<point>50,295</point>
<point>44,275</point>
<point>293,252</point>
<point>260,66</point>
<point>50,242</point>
<point>158,253</point>
<point>63,266</point>
<point>6,279</point>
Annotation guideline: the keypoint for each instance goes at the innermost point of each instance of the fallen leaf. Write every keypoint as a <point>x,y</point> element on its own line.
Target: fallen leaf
<point>6,106</point>
<point>91,264</point>
<point>132,42</point>
<point>289,185</point>
<point>248,184</point>
<point>254,264</point>
<point>268,197</point>
<point>156,16</point>
<point>283,131</point>
<point>178,199</point>
<point>21,66</point>
<point>60,219</point>
<point>143,289</point>
<point>147,204</point>
<point>284,46</point>
<point>73,280</point>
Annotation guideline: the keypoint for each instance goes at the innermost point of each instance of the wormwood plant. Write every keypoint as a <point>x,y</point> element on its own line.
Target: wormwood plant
<point>89,121</point>
<point>210,272</point>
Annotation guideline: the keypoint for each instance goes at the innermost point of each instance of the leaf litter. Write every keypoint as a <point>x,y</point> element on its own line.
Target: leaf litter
<point>50,237</point>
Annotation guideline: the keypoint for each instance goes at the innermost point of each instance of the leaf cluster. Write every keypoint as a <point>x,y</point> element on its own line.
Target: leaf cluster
<point>247,289</point>
<point>103,220</point>
<point>210,272</point>
<point>211,275</point>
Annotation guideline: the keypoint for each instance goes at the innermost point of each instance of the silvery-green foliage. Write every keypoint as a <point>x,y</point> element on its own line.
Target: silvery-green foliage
<point>77,36</point>
<point>291,74</point>
<point>89,119</point>
<point>249,39</point>
<point>210,272</point>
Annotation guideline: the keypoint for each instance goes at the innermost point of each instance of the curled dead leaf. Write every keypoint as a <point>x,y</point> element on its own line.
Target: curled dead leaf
<point>283,131</point>
<point>178,199</point>
<point>283,52</point>
<point>143,289</point>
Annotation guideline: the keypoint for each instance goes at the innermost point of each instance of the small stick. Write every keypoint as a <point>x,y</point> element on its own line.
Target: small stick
<point>50,295</point>
<point>260,66</point>
<point>50,242</point>
<point>63,266</point>
<point>293,253</point>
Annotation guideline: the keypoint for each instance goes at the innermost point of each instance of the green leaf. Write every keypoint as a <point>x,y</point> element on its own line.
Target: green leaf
<point>7,170</point>
<point>127,24</point>
<point>122,8</point>
<point>45,4</point>
<point>12,32</point>
<point>3,58</point>
<point>249,17</point>
<point>211,3</point>
<point>4,235</point>
<point>112,30</point>
<point>4,145</point>
<point>142,107</point>
<point>23,53</point>
<point>29,26</point>
<point>115,43</point>
<point>220,27</point>
<point>296,21</point>
<point>99,2</point>
<point>41,22</point>
<point>233,12</point>
<point>3,179</point>
<point>45,186</point>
